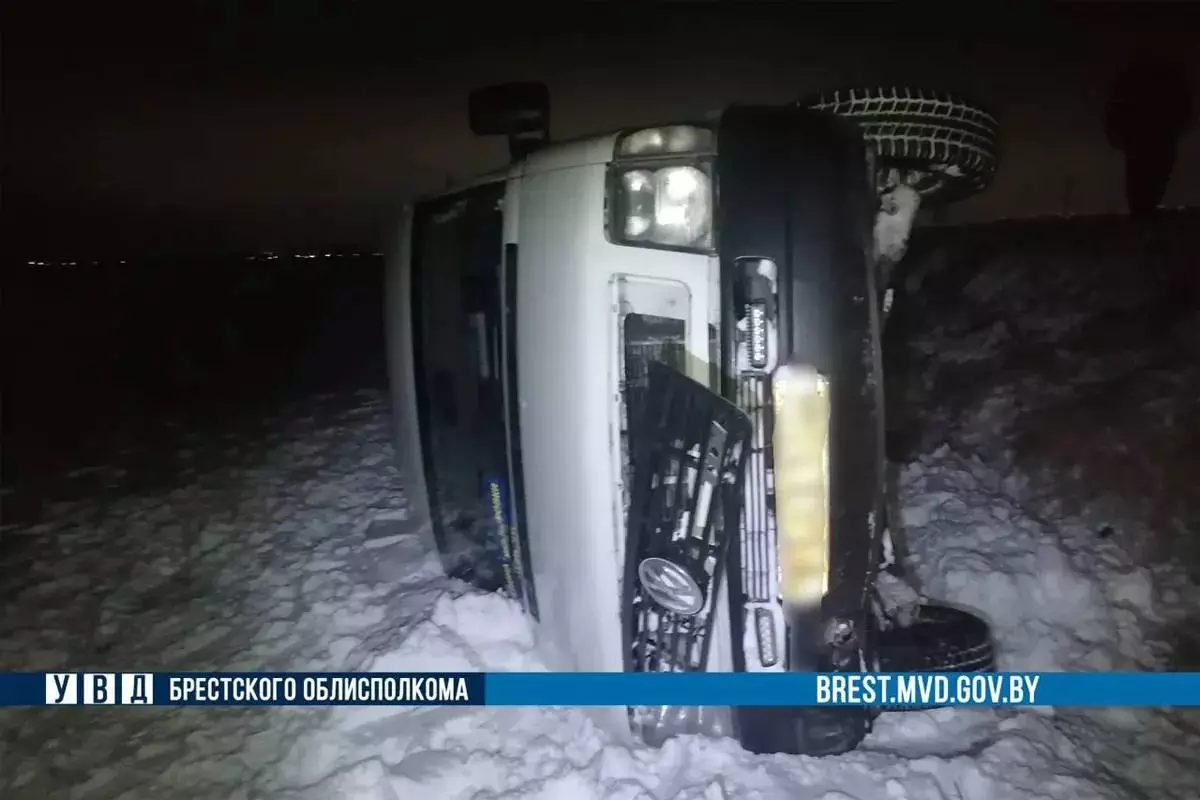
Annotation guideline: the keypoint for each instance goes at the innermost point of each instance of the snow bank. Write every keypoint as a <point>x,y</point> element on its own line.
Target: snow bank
<point>274,559</point>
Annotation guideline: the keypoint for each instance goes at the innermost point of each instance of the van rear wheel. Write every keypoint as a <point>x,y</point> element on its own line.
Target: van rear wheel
<point>940,638</point>
<point>802,731</point>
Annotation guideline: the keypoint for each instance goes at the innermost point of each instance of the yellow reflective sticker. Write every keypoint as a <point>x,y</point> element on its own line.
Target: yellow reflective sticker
<point>801,444</point>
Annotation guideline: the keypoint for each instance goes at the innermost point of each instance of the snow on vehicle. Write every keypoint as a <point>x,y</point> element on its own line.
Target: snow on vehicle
<point>637,388</point>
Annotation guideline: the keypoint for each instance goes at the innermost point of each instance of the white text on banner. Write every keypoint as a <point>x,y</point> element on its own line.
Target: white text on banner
<point>882,690</point>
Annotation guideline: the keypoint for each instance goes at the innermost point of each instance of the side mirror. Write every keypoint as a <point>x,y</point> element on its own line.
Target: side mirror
<point>520,111</point>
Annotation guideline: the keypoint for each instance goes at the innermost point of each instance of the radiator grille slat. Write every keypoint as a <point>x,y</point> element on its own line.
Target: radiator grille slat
<point>758,534</point>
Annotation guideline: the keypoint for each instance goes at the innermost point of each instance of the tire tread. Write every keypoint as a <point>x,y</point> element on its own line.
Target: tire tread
<point>937,130</point>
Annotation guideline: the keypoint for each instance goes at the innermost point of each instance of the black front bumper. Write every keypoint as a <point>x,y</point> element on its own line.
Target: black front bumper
<point>794,187</point>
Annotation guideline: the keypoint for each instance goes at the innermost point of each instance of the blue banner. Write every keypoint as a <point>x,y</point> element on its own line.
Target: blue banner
<point>242,688</point>
<point>601,689</point>
<point>846,689</point>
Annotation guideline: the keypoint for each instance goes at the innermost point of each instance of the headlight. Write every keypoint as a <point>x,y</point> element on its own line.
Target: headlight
<point>667,140</point>
<point>660,188</point>
<point>668,206</point>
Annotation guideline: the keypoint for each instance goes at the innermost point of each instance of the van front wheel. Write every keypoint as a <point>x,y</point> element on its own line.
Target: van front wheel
<point>941,144</point>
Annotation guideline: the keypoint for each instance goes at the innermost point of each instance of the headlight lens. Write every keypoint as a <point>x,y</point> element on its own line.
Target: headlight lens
<point>668,206</point>
<point>667,140</point>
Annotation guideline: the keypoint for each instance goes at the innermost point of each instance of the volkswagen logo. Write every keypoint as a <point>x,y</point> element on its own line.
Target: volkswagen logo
<point>670,586</point>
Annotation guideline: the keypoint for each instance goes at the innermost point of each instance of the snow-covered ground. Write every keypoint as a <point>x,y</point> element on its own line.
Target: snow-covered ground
<point>290,553</point>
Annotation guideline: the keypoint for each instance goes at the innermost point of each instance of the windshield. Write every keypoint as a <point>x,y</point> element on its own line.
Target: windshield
<point>457,316</point>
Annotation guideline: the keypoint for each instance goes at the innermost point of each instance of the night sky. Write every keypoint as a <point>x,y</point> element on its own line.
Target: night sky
<point>202,127</point>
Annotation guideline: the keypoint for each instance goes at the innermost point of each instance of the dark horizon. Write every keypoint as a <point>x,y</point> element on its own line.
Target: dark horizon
<point>263,255</point>
<point>199,130</point>
<point>183,255</point>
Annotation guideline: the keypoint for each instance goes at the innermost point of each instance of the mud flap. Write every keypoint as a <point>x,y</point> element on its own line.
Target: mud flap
<point>689,450</point>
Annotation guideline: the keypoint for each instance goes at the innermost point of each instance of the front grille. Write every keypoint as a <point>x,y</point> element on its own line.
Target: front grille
<point>644,339</point>
<point>757,607</point>
<point>760,567</point>
<point>688,470</point>
<point>638,355</point>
